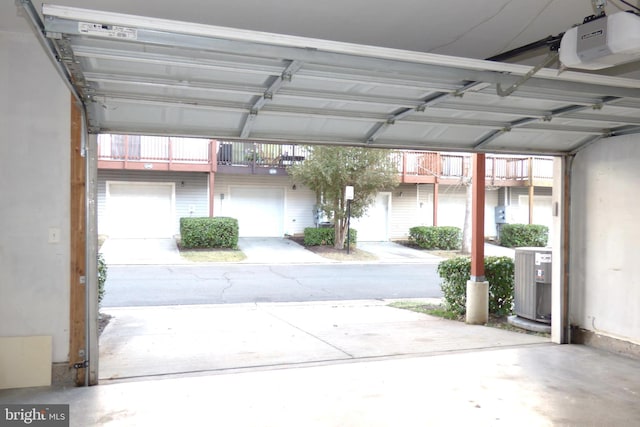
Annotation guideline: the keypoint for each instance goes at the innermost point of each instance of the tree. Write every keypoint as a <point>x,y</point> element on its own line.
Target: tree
<point>328,170</point>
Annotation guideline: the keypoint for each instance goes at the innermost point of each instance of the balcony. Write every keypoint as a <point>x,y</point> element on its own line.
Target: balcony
<point>197,155</point>
<point>425,167</point>
<point>258,159</point>
<point>135,152</point>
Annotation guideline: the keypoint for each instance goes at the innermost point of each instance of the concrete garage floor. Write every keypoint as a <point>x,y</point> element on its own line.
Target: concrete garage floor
<point>529,385</point>
<point>347,364</point>
<point>147,341</point>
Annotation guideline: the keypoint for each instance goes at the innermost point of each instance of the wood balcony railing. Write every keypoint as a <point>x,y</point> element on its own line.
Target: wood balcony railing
<point>420,167</point>
<point>203,155</point>
<point>155,152</point>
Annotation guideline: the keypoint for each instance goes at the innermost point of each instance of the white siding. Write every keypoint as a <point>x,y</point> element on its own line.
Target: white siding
<point>405,210</point>
<point>451,207</point>
<point>519,201</point>
<point>191,192</point>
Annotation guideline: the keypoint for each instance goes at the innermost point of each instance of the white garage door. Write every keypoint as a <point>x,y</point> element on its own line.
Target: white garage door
<point>140,210</point>
<point>374,226</point>
<point>260,211</point>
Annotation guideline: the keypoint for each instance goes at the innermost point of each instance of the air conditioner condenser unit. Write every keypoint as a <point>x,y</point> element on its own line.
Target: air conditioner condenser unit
<point>602,42</point>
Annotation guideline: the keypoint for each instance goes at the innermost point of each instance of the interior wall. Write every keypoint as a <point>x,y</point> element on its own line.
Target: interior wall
<point>34,195</point>
<point>604,284</point>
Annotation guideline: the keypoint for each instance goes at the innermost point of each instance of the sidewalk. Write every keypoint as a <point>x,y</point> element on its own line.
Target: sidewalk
<point>267,250</point>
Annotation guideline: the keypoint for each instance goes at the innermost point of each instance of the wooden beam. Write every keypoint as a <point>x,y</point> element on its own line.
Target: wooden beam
<point>435,203</point>
<point>477,217</point>
<point>77,344</point>
<point>531,193</point>
<point>212,179</point>
<point>531,190</point>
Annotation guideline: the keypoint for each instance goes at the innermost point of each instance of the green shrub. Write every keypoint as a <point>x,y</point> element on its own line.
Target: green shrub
<point>217,232</point>
<point>499,272</point>
<point>102,276</point>
<point>325,236</point>
<point>446,238</point>
<point>522,235</point>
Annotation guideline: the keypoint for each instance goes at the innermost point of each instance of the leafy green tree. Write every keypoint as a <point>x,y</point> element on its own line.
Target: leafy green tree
<point>329,170</point>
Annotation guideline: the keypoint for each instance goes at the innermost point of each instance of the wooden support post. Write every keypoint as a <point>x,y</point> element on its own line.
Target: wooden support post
<point>531,190</point>
<point>531,193</point>
<point>213,168</point>
<point>212,179</point>
<point>77,328</point>
<point>436,186</point>
<point>477,287</point>
<point>477,215</point>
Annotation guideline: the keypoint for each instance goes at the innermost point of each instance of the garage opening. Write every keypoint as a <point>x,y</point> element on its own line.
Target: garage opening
<point>138,75</point>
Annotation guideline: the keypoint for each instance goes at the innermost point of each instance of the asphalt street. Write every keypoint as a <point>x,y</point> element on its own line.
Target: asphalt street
<point>154,285</point>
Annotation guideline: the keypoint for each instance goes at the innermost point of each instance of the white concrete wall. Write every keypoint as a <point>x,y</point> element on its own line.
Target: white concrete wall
<point>34,194</point>
<point>605,239</point>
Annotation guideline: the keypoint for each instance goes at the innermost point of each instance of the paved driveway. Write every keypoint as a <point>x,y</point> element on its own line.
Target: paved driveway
<point>141,251</point>
<point>148,341</point>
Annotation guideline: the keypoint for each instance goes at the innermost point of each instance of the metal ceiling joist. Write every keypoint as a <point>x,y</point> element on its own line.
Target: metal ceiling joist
<point>145,75</point>
<point>430,101</point>
<point>275,86</point>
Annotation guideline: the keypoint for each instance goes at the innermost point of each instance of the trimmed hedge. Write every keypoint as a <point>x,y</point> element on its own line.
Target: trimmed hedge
<point>446,238</point>
<point>325,236</point>
<point>499,272</point>
<point>205,232</point>
<point>522,235</point>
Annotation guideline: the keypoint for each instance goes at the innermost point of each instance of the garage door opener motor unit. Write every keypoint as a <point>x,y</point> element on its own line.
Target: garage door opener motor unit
<point>532,293</point>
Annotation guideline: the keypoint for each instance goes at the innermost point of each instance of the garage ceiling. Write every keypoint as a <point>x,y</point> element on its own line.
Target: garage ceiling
<point>154,76</point>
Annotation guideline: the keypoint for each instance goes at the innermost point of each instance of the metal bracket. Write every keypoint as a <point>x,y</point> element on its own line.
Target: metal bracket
<point>552,57</point>
<point>81,365</point>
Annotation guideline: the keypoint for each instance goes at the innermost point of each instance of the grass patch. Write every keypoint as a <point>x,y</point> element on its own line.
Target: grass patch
<point>436,252</point>
<point>213,255</point>
<point>341,254</point>
<point>431,309</point>
<point>438,310</point>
